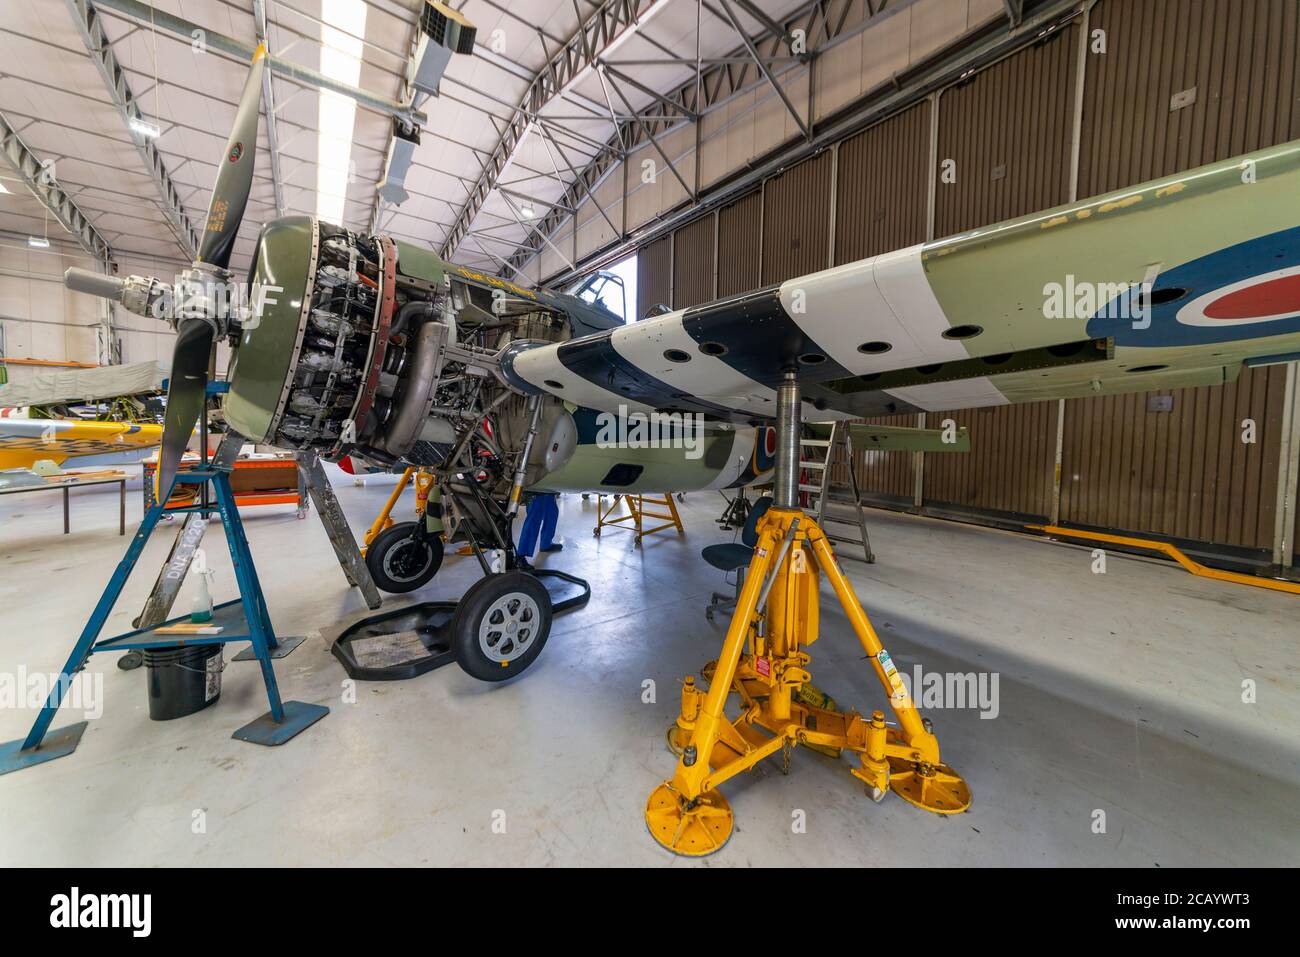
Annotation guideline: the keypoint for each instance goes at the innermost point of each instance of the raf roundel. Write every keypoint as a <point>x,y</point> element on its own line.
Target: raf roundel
<point>1264,298</point>
<point>1224,296</point>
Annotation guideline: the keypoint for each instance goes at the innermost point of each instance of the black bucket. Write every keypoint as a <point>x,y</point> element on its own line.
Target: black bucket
<point>182,679</point>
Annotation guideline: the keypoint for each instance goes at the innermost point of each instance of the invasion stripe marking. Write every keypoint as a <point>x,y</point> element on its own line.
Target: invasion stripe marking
<point>597,361</point>
<point>542,365</point>
<point>761,339</point>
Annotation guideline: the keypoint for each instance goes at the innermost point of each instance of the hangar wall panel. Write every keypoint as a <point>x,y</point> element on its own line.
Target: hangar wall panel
<point>880,195</point>
<point>1010,465</point>
<point>43,320</point>
<point>654,265</point>
<point>886,477</point>
<point>1185,473</point>
<point>693,262</point>
<point>1008,131</point>
<point>740,245</point>
<point>1236,59</point>
<point>796,220</point>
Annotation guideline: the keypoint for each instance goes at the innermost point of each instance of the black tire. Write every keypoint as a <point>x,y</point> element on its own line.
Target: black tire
<point>494,655</point>
<point>398,563</point>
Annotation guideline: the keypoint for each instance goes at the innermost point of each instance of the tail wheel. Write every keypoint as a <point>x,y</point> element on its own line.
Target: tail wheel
<point>399,562</point>
<point>501,624</point>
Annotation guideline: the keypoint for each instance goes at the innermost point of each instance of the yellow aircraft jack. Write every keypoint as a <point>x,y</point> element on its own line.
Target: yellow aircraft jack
<point>763,661</point>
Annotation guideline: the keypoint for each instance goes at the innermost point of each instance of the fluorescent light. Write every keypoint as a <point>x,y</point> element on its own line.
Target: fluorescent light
<point>38,242</point>
<point>340,59</point>
<point>142,126</point>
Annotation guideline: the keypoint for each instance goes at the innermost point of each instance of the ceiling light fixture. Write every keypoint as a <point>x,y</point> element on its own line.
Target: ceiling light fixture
<point>146,129</point>
<point>38,242</point>
<point>527,211</point>
<point>340,59</point>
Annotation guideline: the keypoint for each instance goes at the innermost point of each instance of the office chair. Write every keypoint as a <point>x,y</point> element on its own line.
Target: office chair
<point>735,557</point>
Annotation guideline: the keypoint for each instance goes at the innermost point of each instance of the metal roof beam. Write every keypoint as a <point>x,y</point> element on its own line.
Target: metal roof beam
<point>44,185</point>
<point>101,53</point>
<point>294,72</point>
<point>268,102</point>
<point>694,97</point>
<point>609,24</point>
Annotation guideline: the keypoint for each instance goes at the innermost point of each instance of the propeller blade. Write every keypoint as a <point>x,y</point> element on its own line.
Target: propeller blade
<point>185,398</point>
<point>235,172</point>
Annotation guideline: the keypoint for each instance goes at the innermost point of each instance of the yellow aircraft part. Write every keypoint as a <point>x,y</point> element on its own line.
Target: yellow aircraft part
<point>763,662</point>
<point>24,442</point>
<point>1196,568</point>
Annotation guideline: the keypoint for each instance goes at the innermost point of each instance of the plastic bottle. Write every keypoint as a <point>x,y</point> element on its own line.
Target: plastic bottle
<point>201,603</point>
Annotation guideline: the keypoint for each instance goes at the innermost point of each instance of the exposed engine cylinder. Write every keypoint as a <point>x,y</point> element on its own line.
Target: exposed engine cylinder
<point>398,365</point>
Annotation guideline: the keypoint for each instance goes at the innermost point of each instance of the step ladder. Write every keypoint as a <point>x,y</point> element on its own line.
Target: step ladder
<point>818,488</point>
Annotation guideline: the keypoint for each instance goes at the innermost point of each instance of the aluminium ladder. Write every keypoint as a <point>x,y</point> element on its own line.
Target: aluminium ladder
<point>819,487</point>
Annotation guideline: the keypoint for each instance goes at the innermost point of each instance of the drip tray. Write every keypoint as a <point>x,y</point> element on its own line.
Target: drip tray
<point>415,640</point>
<point>398,645</point>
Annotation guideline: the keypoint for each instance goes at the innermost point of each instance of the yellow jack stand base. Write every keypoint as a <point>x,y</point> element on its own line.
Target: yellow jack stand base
<point>695,831</point>
<point>932,787</point>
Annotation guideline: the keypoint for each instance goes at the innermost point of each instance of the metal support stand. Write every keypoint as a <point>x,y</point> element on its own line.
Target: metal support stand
<point>282,722</point>
<point>763,662</point>
<point>337,528</point>
<point>312,482</point>
<point>637,514</point>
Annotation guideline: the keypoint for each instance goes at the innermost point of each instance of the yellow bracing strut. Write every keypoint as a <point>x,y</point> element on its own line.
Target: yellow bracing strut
<point>423,480</point>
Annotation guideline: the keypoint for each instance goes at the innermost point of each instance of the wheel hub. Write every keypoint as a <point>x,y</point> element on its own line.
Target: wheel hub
<point>407,560</point>
<point>507,629</point>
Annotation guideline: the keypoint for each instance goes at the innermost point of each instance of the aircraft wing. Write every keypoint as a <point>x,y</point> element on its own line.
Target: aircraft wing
<point>24,442</point>
<point>901,438</point>
<point>973,320</point>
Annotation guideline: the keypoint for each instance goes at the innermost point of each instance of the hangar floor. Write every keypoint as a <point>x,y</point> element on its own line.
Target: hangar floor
<point>1118,692</point>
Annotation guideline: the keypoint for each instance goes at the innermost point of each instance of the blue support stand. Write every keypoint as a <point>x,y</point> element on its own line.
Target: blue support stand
<point>245,619</point>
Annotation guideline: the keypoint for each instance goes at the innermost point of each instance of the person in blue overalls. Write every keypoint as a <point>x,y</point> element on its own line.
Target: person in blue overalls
<point>543,513</point>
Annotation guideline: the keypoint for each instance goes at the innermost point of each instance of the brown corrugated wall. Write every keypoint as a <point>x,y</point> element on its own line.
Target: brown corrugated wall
<point>1238,55</point>
<point>654,275</point>
<point>1009,467</point>
<point>880,194</point>
<point>740,243</point>
<point>1009,131</point>
<point>880,206</point>
<point>796,220</point>
<point>693,263</point>
<point>1185,473</point>
<point>886,476</point>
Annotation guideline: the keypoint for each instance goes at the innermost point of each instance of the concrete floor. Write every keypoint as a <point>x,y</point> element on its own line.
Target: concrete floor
<point>1119,692</point>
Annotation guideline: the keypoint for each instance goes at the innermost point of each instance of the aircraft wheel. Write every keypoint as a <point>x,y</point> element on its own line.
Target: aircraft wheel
<point>501,625</point>
<point>399,563</point>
